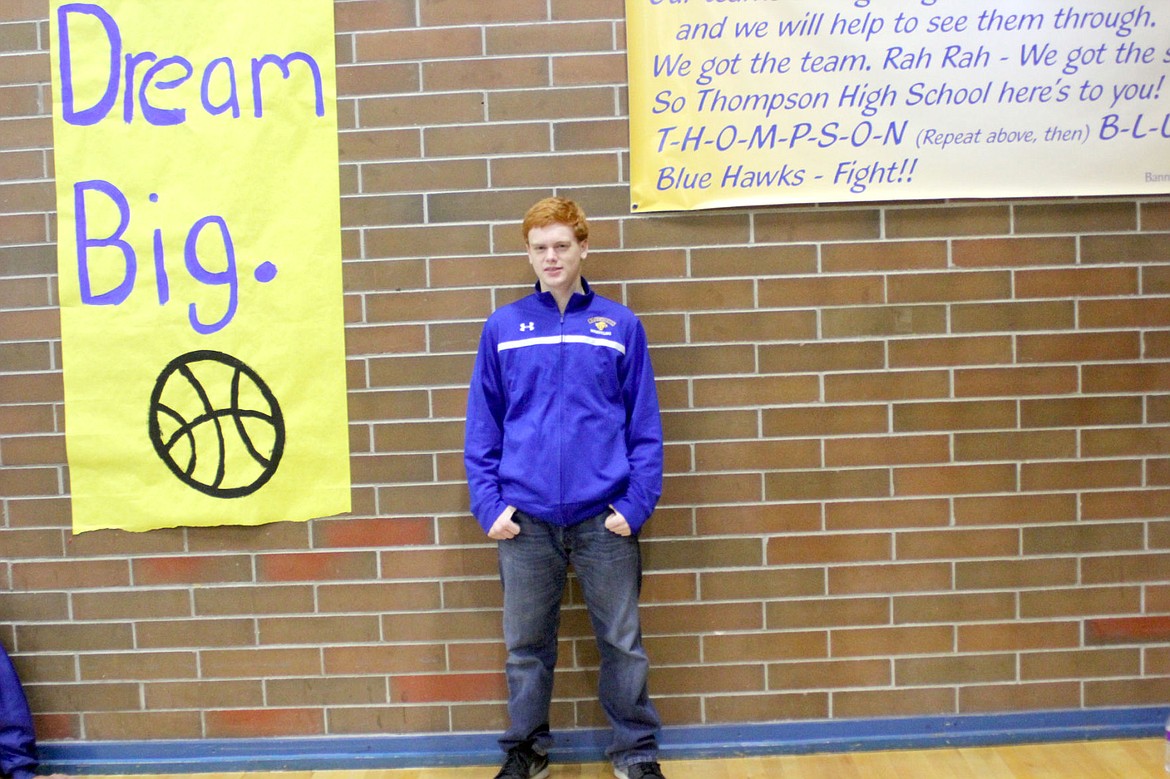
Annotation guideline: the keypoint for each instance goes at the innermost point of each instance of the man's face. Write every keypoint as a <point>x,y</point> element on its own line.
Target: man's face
<point>556,255</point>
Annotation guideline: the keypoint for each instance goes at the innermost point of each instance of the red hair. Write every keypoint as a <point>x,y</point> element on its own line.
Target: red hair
<point>556,210</point>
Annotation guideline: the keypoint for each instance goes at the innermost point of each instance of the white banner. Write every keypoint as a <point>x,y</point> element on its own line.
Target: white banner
<point>741,102</point>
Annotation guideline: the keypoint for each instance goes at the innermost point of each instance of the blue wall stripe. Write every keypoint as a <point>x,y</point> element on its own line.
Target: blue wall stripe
<point>706,741</point>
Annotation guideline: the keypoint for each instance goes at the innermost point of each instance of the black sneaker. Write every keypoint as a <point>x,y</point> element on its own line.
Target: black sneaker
<point>523,762</point>
<point>648,770</point>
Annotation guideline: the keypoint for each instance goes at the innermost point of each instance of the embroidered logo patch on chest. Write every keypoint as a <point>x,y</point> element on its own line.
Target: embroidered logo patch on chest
<point>602,325</point>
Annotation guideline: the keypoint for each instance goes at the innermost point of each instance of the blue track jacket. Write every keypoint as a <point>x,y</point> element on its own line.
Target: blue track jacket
<point>17,743</point>
<point>562,414</point>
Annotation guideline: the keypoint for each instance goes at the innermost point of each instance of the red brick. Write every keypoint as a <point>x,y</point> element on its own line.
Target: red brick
<point>264,723</point>
<point>448,687</point>
<point>1130,630</point>
<point>376,533</point>
<point>192,569</point>
<point>315,566</point>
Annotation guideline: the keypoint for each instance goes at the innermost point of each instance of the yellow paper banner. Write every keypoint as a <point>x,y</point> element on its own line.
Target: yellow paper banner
<point>200,261</point>
<point>736,103</point>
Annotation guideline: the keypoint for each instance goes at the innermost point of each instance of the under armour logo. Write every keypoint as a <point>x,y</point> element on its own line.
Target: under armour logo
<point>527,326</point>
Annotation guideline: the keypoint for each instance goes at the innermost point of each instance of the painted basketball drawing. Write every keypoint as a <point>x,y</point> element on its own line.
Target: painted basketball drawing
<point>216,424</point>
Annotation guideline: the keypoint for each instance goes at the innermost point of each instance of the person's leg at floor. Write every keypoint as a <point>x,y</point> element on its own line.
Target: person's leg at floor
<point>609,569</point>
<point>533,567</point>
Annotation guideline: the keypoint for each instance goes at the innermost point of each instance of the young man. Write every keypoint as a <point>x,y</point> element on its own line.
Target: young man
<point>564,463</point>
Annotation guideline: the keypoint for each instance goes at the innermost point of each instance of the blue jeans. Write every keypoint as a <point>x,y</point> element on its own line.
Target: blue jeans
<point>533,568</point>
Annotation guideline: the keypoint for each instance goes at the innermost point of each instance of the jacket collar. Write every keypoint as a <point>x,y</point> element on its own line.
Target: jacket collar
<point>577,301</point>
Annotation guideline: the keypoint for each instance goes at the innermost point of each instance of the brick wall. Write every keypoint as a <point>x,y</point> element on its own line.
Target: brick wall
<point>918,453</point>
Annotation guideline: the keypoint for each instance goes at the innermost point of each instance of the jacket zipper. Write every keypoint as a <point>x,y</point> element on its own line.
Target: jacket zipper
<point>560,390</point>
